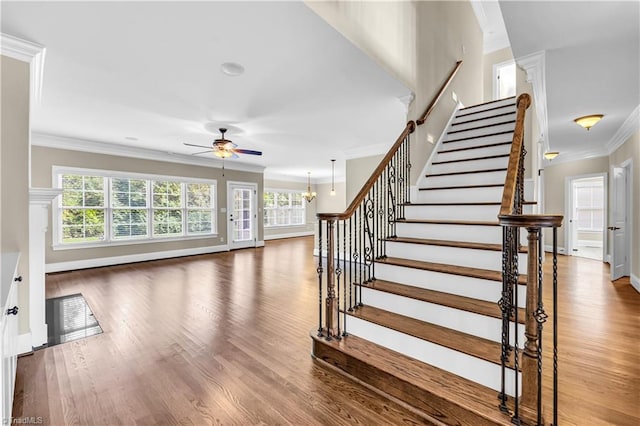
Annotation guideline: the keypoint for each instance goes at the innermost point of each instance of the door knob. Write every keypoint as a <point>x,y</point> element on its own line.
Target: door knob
<point>12,311</point>
<point>613,228</point>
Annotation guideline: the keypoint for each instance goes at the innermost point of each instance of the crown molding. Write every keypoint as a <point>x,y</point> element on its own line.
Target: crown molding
<point>628,128</point>
<point>84,145</point>
<point>569,157</point>
<point>406,101</point>
<point>534,66</point>
<point>30,52</point>
<point>286,178</point>
<point>43,196</point>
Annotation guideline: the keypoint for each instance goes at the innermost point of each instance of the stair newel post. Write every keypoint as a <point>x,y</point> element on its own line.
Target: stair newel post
<point>530,377</point>
<point>331,306</point>
<point>319,271</point>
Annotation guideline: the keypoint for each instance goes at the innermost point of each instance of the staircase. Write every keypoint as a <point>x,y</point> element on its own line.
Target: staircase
<point>429,330</point>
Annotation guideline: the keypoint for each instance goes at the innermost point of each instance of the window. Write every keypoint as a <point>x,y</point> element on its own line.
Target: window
<point>83,208</point>
<point>283,208</point>
<point>99,207</point>
<point>589,206</point>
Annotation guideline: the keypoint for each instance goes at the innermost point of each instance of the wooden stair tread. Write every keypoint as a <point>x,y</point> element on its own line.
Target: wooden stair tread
<point>483,118</point>
<point>462,303</point>
<point>450,222</point>
<point>421,385</point>
<point>475,147</point>
<point>467,172</point>
<point>484,274</point>
<point>477,137</point>
<point>492,185</point>
<point>446,243</point>
<point>470,203</point>
<point>481,127</point>
<point>453,339</point>
<point>487,157</point>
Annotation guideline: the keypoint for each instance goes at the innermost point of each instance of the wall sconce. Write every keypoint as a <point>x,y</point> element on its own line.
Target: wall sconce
<point>308,195</point>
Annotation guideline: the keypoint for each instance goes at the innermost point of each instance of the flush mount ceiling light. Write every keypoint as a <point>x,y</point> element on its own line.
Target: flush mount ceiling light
<point>588,121</point>
<point>308,195</point>
<point>232,69</point>
<point>550,155</point>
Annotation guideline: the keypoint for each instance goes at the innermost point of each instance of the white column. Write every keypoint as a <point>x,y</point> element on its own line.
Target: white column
<point>39,202</point>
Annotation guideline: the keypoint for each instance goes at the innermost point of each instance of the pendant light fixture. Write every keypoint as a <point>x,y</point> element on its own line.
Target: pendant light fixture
<point>333,177</point>
<point>550,155</point>
<point>308,195</point>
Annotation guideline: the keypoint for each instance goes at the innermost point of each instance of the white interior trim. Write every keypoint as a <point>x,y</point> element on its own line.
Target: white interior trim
<point>24,344</point>
<point>628,128</point>
<point>549,249</point>
<point>26,51</point>
<point>568,207</point>
<point>534,66</point>
<point>142,257</point>
<point>288,235</point>
<point>635,282</point>
<point>95,147</point>
<point>436,146</point>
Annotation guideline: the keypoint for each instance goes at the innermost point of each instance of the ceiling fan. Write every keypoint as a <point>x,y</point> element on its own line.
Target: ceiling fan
<point>224,148</point>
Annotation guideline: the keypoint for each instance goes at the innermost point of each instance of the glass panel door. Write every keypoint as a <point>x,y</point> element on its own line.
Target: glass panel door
<point>242,215</point>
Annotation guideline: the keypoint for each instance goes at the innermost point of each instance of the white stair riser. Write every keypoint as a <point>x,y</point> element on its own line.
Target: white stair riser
<point>480,132</point>
<point>482,259</point>
<point>488,213</point>
<point>467,366</point>
<point>489,328</point>
<point>469,195</point>
<point>470,143</point>
<point>473,153</point>
<point>470,233</point>
<point>486,178</point>
<point>462,123</point>
<point>490,108</point>
<point>476,288</point>
<point>464,166</point>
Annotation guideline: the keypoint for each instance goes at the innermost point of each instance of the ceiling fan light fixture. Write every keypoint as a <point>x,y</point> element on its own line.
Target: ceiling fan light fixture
<point>550,155</point>
<point>588,121</point>
<point>232,69</point>
<point>222,153</point>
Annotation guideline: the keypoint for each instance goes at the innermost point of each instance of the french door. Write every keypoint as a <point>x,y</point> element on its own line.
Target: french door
<point>242,209</point>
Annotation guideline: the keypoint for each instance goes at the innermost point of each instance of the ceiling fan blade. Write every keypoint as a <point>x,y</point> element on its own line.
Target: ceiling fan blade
<point>247,151</point>
<point>202,152</point>
<point>199,146</point>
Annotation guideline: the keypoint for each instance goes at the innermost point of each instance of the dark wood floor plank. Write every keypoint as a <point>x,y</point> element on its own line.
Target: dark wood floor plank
<point>223,339</point>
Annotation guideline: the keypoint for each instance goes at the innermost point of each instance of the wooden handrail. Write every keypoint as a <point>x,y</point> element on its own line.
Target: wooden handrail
<point>435,100</point>
<point>510,182</point>
<point>409,128</point>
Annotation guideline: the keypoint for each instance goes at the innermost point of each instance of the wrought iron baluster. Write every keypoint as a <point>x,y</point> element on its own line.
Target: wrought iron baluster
<point>338,272</point>
<point>346,273</point>
<point>505,308</point>
<point>352,264</point>
<point>516,350</point>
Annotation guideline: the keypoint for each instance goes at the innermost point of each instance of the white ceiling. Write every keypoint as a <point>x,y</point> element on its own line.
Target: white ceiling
<point>151,71</point>
<point>592,57</point>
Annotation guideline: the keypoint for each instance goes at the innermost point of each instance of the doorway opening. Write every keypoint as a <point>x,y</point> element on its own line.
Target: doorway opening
<point>504,80</point>
<point>242,217</point>
<point>586,210</point>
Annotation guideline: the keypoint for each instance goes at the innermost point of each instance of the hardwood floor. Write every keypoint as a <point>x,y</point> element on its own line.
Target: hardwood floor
<point>223,339</point>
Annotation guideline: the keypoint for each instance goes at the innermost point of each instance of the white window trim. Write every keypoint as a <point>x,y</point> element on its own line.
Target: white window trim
<point>57,244</point>
<point>304,208</point>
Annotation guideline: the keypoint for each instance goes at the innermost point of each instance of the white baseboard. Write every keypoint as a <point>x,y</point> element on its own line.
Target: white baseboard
<point>24,343</point>
<point>607,259</point>
<point>260,243</point>
<point>288,235</point>
<point>142,257</point>
<point>635,282</point>
<point>549,249</point>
